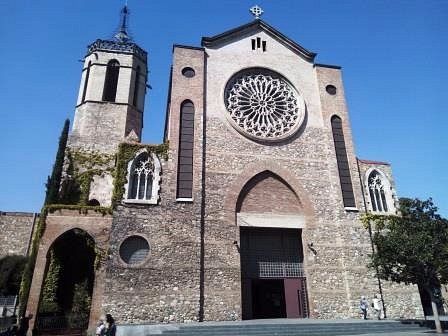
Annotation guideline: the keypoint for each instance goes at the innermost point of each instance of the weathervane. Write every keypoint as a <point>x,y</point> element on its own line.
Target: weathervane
<point>256,11</point>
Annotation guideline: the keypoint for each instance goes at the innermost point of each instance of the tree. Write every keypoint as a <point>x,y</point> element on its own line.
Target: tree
<point>54,181</point>
<point>11,269</point>
<point>412,248</point>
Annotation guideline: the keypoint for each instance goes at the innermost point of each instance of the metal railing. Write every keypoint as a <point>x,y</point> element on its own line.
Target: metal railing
<point>61,322</point>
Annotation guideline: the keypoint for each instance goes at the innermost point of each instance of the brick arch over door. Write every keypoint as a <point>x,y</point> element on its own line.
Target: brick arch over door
<point>268,168</point>
<point>267,192</point>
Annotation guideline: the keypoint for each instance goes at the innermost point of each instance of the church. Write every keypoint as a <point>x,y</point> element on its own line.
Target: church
<point>249,209</point>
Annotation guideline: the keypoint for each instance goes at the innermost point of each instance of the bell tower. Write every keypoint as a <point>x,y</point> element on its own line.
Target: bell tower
<point>112,92</point>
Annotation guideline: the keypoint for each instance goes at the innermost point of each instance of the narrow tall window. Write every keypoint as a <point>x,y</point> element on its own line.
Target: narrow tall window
<point>185,163</point>
<point>343,167</point>
<point>111,81</point>
<point>86,82</point>
<point>377,192</point>
<point>136,86</point>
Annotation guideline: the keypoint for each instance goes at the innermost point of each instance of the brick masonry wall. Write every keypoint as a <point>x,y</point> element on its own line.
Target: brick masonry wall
<point>15,228</point>
<point>166,286</point>
<point>267,193</point>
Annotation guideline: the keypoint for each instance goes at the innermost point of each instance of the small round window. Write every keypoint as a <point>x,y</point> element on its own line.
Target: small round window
<point>188,72</point>
<point>331,89</point>
<point>134,250</point>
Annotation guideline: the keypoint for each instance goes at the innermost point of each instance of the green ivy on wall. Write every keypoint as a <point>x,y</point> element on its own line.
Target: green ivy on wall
<point>82,167</point>
<point>48,303</point>
<point>126,152</point>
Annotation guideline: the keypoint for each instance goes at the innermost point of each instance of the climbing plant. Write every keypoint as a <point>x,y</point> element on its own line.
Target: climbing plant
<point>82,167</point>
<point>48,303</point>
<point>126,152</point>
<point>54,181</point>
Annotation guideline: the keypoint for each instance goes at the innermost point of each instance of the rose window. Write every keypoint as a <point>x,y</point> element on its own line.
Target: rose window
<point>263,105</point>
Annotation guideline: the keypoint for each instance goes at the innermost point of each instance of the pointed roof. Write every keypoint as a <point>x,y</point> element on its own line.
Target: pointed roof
<point>121,42</point>
<point>212,41</point>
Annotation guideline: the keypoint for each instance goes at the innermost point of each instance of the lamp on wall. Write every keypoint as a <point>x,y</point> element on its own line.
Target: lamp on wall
<point>310,246</point>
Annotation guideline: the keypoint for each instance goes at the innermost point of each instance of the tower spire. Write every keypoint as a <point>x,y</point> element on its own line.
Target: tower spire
<point>122,34</point>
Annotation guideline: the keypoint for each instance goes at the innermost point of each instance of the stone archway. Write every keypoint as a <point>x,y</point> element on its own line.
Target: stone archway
<point>271,215</point>
<point>97,226</point>
<point>66,293</point>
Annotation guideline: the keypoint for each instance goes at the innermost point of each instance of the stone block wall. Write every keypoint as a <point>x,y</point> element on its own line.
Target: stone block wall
<point>16,229</point>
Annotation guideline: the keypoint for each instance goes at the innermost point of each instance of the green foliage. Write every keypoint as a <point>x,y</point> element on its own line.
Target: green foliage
<point>70,190</point>
<point>412,247</point>
<point>27,276</point>
<point>37,235</point>
<point>11,270</point>
<point>126,152</point>
<point>54,181</point>
<point>81,305</point>
<point>48,302</point>
<point>82,167</point>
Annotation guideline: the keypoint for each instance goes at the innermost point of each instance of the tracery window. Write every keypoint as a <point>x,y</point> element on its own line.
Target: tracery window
<point>377,192</point>
<point>263,105</point>
<point>143,179</point>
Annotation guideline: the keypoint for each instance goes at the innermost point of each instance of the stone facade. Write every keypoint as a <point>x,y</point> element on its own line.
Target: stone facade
<point>16,229</point>
<point>193,270</point>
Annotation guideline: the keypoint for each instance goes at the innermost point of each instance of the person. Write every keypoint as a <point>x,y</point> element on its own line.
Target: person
<point>363,305</point>
<point>111,328</point>
<point>377,306</point>
<point>101,328</point>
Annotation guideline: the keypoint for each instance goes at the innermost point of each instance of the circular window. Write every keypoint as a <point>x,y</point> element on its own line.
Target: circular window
<point>134,250</point>
<point>331,89</point>
<point>188,72</point>
<point>263,105</point>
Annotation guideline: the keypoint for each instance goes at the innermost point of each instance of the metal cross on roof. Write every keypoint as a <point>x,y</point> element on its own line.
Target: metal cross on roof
<point>256,11</point>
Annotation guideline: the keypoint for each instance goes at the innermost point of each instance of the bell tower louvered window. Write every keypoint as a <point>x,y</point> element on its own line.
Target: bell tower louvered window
<point>343,166</point>
<point>185,162</point>
<point>111,81</point>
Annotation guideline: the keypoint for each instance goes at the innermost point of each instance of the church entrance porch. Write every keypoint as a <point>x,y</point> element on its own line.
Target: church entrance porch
<point>273,282</point>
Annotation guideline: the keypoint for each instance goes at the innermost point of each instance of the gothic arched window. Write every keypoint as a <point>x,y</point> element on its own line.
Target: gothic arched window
<point>377,187</point>
<point>111,81</point>
<point>143,179</point>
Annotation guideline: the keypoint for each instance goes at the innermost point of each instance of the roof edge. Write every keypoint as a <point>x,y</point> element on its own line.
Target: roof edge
<point>373,162</point>
<point>187,47</point>
<point>328,66</point>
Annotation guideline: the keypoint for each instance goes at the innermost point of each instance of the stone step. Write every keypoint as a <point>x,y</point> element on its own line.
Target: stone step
<point>285,328</point>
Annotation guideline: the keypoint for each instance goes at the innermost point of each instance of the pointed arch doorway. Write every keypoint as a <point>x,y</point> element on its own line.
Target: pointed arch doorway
<point>66,292</point>
<point>270,219</point>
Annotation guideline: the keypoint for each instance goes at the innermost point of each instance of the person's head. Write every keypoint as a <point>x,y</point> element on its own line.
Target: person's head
<point>363,297</point>
<point>109,319</point>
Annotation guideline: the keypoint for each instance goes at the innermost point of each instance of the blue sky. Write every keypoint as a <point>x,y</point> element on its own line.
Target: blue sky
<point>393,55</point>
